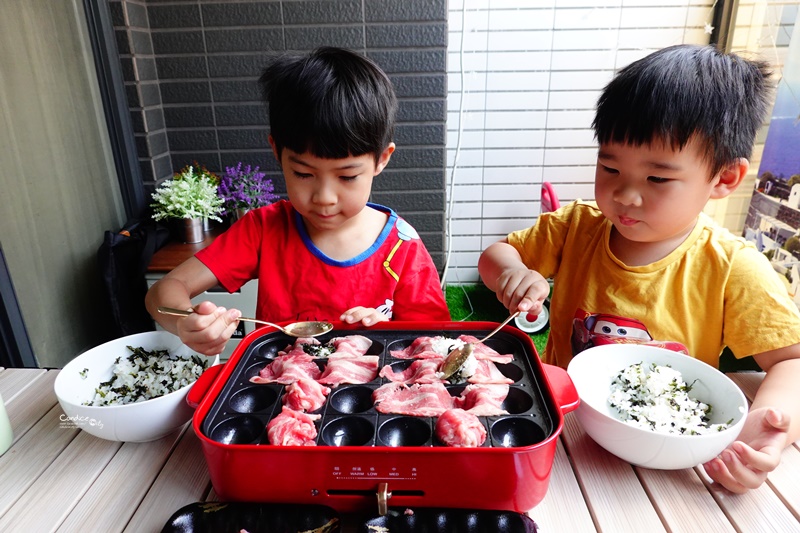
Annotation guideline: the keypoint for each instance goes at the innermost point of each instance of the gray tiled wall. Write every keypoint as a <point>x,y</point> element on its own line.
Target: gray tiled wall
<point>191,66</point>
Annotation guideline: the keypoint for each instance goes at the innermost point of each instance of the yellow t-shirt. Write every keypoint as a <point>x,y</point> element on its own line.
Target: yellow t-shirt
<point>714,290</point>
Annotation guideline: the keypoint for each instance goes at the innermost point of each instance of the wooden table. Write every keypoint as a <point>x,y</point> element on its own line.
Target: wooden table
<point>58,478</point>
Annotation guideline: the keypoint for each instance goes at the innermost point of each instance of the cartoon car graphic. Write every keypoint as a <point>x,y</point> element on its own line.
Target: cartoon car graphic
<point>598,329</point>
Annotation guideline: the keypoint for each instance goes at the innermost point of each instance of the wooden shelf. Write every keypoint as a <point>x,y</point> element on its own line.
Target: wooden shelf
<point>174,253</point>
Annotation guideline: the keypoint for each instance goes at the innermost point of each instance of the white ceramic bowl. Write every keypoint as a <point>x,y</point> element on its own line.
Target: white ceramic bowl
<point>134,422</point>
<point>592,372</point>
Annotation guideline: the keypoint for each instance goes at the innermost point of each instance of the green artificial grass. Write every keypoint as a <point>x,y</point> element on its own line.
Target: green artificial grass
<point>476,303</point>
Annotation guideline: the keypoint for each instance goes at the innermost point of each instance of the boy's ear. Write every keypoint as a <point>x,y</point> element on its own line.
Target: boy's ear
<point>384,158</point>
<point>274,148</point>
<point>730,177</point>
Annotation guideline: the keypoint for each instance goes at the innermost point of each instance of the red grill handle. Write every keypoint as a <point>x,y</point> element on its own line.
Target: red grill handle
<point>201,386</point>
<point>564,391</point>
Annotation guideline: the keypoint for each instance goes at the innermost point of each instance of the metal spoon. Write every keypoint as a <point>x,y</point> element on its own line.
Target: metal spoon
<point>297,329</point>
<point>458,356</point>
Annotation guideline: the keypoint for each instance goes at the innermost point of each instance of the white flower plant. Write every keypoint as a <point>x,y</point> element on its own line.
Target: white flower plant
<point>192,193</point>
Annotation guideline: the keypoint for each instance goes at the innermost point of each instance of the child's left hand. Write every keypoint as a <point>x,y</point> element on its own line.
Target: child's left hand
<point>746,463</point>
<point>366,315</point>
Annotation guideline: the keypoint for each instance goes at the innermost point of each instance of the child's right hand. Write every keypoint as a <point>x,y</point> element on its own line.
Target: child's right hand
<point>522,289</point>
<point>209,328</point>
<point>517,286</point>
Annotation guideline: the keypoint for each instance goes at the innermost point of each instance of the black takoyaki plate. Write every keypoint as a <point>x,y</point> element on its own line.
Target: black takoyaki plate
<point>234,517</point>
<point>438,520</point>
<point>241,412</point>
<point>218,517</point>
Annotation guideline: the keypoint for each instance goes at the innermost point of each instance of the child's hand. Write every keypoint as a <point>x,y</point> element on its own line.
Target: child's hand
<point>746,463</point>
<point>208,329</point>
<point>366,315</point>
<point>521,289</point>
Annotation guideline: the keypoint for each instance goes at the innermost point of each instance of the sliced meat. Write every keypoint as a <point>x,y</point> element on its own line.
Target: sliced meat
<point>420,399</point>
<point>459,428</point>
<point>305,395</point>
<point>288,369</point>
<point>419,371</point>
<point>350,346</point>
<point>292,428</point>
<point>297,347</point>
<point>433,347</point>
<point>483,400</point>
<point>483,352</point>
<point>487,372</point>
<point>359,369</point>
<point>424,348</point>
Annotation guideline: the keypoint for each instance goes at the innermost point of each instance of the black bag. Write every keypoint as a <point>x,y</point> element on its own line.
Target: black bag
<point>123,259</point>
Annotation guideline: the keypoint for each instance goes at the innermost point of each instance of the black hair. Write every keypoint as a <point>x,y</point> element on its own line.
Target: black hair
<point>684,91</point>
<point>333,103</point>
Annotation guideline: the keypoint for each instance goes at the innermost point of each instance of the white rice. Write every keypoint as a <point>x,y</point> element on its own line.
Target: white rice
<point>443,345</point>
<point>657,398</point>
<point>144,375</point>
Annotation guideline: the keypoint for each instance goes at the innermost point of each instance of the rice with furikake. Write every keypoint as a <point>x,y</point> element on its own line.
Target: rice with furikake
<point>144,375</point>
<point>657,398</point>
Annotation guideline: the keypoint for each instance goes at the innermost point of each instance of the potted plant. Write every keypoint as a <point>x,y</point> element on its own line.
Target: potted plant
<point>243,188</point>
<point>188,199</point>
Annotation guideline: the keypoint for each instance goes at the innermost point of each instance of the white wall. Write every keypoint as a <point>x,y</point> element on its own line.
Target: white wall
<point>523,79</point>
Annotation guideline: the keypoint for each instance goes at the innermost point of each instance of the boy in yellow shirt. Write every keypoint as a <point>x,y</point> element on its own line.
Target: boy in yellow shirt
<point>675,129</point>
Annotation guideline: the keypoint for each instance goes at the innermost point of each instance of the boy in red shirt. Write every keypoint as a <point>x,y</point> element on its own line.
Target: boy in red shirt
<point>326,253</point>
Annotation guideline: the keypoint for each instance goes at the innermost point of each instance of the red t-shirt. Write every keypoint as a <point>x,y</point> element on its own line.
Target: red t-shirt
<point>296,281</point>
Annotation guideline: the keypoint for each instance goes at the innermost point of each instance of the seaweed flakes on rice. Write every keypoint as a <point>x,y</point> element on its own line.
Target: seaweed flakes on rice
<point>656,397</point>
<point>144,375</point>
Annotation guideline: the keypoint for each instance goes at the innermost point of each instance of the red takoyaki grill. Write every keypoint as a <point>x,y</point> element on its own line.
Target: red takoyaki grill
<point>362,456</point>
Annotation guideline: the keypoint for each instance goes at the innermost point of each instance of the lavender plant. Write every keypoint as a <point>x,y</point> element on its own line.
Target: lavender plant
<point>244,187</point>
<point>191,193</point>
